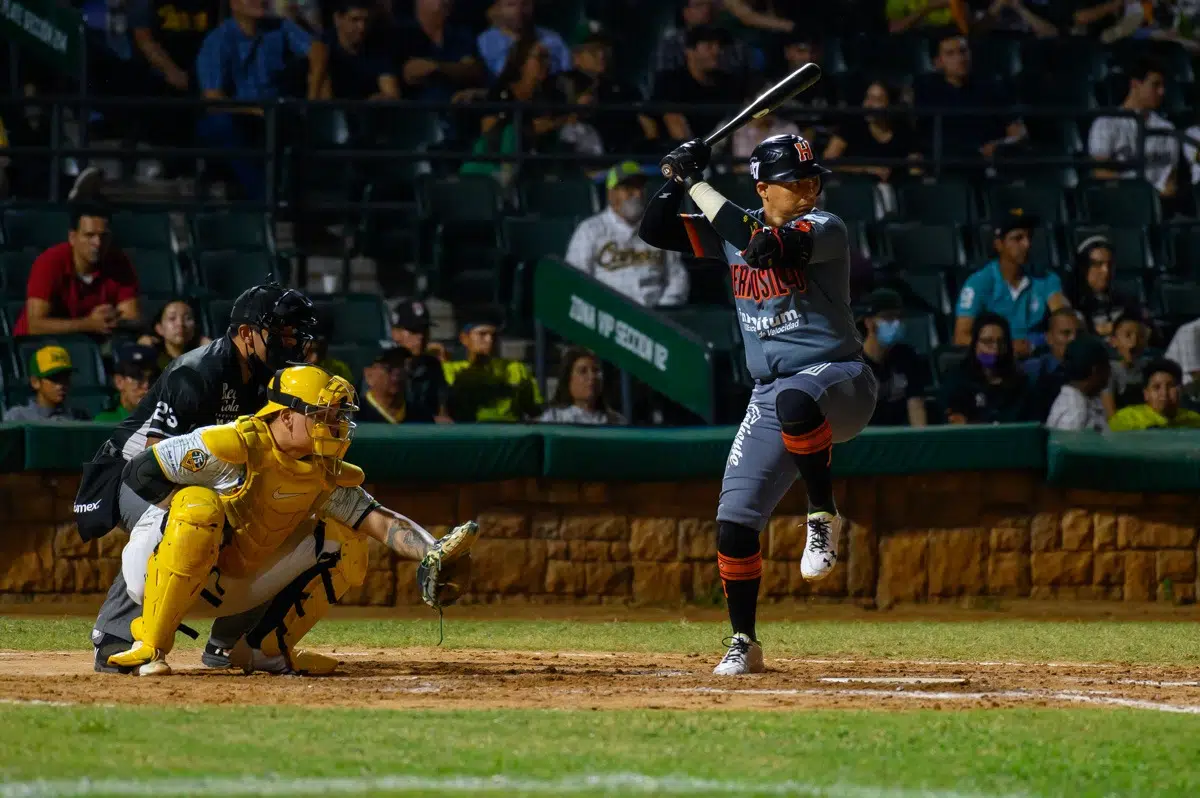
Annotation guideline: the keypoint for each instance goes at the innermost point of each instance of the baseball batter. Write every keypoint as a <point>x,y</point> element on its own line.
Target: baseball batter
<point>791,286</point>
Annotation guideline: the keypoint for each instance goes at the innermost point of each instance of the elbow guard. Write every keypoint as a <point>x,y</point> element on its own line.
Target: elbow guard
<point>145,477</point>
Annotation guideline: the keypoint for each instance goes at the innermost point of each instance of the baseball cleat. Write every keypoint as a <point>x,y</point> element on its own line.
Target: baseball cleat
<point>108,646</point>
<point>299,663</point>
<point>141,660</point>
<point>216,657</point>
<point>744,656</point>
<point>821,549</point>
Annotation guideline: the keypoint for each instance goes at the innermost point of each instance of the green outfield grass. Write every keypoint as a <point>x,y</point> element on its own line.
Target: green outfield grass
<point>1147,642</point>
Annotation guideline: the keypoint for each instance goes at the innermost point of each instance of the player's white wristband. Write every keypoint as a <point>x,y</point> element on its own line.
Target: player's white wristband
<point>707,199</point>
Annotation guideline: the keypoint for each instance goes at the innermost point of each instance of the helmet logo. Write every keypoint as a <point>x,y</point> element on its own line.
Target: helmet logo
<point>754,169</point>
<point>805,150</point>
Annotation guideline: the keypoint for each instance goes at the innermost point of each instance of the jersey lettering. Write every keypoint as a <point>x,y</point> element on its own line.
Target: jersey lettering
<point>760,284</point>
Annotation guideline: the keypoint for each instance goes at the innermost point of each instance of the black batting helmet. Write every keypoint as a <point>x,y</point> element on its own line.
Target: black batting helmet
<point>784,158</point>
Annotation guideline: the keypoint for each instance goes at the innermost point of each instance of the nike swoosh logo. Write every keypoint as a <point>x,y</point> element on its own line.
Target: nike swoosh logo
<point>279,495</point>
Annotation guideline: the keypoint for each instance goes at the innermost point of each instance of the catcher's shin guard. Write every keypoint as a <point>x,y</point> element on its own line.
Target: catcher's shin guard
<point>308,598</point>
<point>180,565</point>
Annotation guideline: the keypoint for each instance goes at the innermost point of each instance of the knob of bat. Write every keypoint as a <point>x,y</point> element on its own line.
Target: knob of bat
<point>666,171</point>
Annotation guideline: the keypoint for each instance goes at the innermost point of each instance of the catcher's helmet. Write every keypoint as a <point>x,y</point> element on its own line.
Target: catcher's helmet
<point>784,158</point>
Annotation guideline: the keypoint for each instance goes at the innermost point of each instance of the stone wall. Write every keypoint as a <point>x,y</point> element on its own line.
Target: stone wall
<point>931,537</point>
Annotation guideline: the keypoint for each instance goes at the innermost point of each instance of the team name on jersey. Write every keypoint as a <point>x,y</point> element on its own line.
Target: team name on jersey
<point>613,256</point>
<point>760,284</point>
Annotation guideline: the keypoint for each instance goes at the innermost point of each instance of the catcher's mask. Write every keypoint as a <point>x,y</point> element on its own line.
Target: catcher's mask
<point>328,401</point>
<point>283,318</point>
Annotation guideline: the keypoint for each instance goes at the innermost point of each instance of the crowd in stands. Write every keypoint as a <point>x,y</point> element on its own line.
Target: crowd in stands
<point>1010,265</point>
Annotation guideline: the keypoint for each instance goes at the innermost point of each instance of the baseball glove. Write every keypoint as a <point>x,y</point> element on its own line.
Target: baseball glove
<point>443,573</point>
<point>776,247</point>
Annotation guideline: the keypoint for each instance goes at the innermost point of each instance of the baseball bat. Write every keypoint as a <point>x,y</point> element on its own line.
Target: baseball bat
<point>800,80</point>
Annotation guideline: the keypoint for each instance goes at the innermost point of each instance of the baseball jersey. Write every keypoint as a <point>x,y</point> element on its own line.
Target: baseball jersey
<point>199,388</point>
<point>608,248</point>
<point>791,318</point>
<point>1023,306</point>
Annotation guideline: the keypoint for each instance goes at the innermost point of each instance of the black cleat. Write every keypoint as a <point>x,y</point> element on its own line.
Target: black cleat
<point>216,657</point>
<point>109,645</point>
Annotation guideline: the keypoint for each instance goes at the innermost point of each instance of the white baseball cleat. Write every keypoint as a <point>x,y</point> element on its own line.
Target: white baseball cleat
<point>821,549</point>
<point>744,656</point>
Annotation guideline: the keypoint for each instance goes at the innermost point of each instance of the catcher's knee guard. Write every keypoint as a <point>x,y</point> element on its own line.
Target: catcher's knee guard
<point>178,568</point>
<point>308,598</point>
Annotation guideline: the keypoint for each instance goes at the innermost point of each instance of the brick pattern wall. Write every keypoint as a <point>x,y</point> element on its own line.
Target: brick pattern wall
<point>911,538</point>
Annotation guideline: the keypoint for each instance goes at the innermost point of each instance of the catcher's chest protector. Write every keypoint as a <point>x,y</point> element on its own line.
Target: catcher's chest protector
<point>277,495</point>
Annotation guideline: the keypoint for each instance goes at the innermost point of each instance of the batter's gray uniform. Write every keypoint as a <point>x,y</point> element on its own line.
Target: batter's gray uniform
<point>799,333</point>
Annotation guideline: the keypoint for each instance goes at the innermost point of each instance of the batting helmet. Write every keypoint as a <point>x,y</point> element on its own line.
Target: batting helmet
<point>784,158</point>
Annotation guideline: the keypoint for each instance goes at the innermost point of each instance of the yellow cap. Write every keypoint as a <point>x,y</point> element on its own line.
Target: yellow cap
<point>49,360</point>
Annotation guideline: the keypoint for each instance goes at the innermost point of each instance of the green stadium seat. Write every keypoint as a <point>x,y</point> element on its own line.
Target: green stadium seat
<point>1045,200</point>
<point>850,197</point>
<point>157,273</point>
<point>1120,203</point>
<point>1042,255</point>
<point>527,238</point>
<point>85,357</point>
<point>460,199</point>
<point>12,311</point>
<point>227,274</point>
<point>14,268</point>
<point>1180,301</point>
<point>1131,247</point>
<point>948,358</point>
<point>30,228</point>
<point>937,202</point>
<point>142,231</point>
<point>574,197</point>
<point>1183,246</point>
<point>228,230</point>
<point>357,318</point>
<point>920,332</point>
<point>738,189</point>
<point>924,247</point>
<point>924,289</point>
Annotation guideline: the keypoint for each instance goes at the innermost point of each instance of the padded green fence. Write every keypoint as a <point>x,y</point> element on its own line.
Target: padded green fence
<point>1163,461</point>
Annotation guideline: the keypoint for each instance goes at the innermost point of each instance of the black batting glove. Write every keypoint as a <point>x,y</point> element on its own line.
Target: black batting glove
<point>686,163</point>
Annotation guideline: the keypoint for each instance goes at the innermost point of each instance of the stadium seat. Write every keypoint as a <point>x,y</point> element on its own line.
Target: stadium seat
<point>1131,285</point>
<point>1180,301</point>
<point>937,202</point>
<point>142,231</point>
<point>1120,203</point>
<point>357,318</point>
<point>850,197</point>
<point>1045,200</point>
<point>924,247</point>
<point>30,228</point>
<point>356,356</point>
<point>1183,246</point>
<point>12,310</point>
<point>566,196</point>
<point>227,230</point>
<point>157,272</point>
<point>527,238</point>
<point>925,289</point>
<point>460,199</point>
<point>920,332</point>
<point>15,266</point>
<point>996,55</point>
<point>227,274</point>
<point>1042,255</point>
<point>947,358</point>
<point>85,357</point>
<point>1131,248</point>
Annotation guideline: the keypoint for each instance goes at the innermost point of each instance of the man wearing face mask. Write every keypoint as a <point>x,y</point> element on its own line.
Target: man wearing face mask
<point>607,246</point>
<point>899,370</point>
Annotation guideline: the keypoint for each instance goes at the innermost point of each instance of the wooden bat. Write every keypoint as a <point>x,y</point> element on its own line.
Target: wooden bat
<point>800,80</point>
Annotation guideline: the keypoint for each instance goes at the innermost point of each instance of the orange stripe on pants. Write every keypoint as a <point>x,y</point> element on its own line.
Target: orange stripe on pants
<point>818,440</point>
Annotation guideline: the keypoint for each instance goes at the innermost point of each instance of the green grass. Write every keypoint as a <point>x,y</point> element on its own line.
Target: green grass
<point>1147,642</point>
<point>1040,752</point>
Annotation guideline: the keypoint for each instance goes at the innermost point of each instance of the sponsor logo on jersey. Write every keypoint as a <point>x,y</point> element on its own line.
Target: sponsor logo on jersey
<point>766,326</point>
<point>613,256</point>
<point>194,460</point>
<point>229,404</point>
<point>753,414</point>
<point>760,284</point>
<point>87,508</point>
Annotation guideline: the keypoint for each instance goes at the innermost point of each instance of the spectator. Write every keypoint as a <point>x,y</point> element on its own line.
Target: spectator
<point>1016,17</point>
<point>134,371</point>
<point>83,285</point>
<point>355,72</point>
<point>954,86</point>
<point>384,402</point>
<point>1129,338</point>
<point>591,83</point>
<point>440,57</point>
<point>1184,349</point>
<point>250,57</point>
<point>484,387</point>
<point>426,391</point>
<point>901,373</point>
<point>1161,409</point>
<point>525,79</point>
<point>1005,286</point>
<point>579,397</point>
<point>50,372</point>
<point>699,82</point>
<point>317,352</point>
<point>607,246</point>
<point>1118,138</point>
<point>750,135</point>
<point>880,134</point>
<point>671,53</point>
<point>904,15</point>
<point>1045,369</point>
<point>1078,405</point>
<point>25,125</point>
<point>513,20</point>
<point>1091,290</point>
<point>174,331</point>
<point>169,34</point>
<point>808,107</point>
<point>987,387</point>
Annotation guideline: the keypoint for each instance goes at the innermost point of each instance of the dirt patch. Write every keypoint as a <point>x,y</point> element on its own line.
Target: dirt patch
<point>430,678</point>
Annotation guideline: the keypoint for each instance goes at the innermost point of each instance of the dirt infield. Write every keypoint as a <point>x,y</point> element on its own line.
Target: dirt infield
<point>430,678</point>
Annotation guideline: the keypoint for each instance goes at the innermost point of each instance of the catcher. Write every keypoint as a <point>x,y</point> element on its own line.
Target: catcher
<point>266,503</point>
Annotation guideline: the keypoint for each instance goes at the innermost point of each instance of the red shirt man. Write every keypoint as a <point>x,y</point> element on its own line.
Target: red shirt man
<point>82,285</point>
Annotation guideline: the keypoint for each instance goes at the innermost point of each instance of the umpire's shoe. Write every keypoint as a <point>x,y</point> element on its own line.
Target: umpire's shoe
<point>216,657</point>
<point>105,648</point>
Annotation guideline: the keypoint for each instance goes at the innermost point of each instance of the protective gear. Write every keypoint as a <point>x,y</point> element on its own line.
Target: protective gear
<point>176,572</point>
<point>439,584</point>
<point>632,208</point>
<point>789,246</point>
<point>784,159</point>
<point>329,400</point>
<point>145,477</point>
<point>277,314</point>
<point>307,600</point>
<point>987,359</point>
<point>686,163</point>
<point>889,331</point>
<point>277,495</point>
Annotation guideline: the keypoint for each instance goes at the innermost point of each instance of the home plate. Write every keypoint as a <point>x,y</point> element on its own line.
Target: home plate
<point>893,679</point>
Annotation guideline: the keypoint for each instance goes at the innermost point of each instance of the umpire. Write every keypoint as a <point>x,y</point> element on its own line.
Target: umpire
<point>790,266</point>
<point>269,327</point>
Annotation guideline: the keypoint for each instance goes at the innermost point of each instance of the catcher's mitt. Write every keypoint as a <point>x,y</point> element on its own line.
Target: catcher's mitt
<point>444,572</point>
